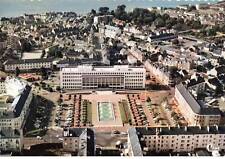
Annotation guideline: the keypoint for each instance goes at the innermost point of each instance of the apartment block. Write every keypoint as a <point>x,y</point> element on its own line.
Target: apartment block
<point>198,114</point>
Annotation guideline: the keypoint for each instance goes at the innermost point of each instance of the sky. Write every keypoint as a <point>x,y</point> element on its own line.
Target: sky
<point>18,7</point>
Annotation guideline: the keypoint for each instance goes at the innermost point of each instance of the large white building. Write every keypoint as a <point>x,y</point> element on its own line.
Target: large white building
<point>14,109</point>
<point>90,77</point>
<point>175,139</point>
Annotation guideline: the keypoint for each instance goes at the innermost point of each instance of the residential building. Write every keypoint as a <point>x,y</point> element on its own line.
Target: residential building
<point>91,77</point>
<point>134,146</point>
<point>160,73</point>
<point>2,86</point>
<point>136,53</point>
<point>103,19</point>
<point>162,37</point>
<point>110,31</point>
<point>79,140</point>
<point>198,114</point>
<point>14,109</point>
<point>180,139</point>
<point>28,64</point>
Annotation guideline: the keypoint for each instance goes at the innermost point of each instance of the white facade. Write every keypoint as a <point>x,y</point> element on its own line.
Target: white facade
<point>136,53</point>
<point>185,139</point>
<point>27,65</point>
<point>197,115</point>
<point>88,77</point>
<point>10,144</point>
<point>2,87</point>
<point>110,31</point>
<point>13,115</point>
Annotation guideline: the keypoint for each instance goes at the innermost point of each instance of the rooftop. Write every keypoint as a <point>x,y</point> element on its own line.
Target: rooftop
<point>73,132</point>
<point>191,130</point>
<point>121,68</point>
<point>11,62</point>
<point>195,106</point>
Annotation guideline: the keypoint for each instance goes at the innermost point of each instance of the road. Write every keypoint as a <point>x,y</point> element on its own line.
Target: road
<point>108,139</point>
<point>52,136</point>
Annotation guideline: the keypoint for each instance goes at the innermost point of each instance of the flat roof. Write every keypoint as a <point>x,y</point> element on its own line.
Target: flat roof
<point>116,68</point>
<point>11,62</point>
<point>190,130</point>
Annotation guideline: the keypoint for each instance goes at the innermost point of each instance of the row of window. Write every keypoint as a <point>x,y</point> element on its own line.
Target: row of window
<point>105,73</point>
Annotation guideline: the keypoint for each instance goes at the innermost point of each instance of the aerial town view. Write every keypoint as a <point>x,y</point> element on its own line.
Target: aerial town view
<point>112,78</point>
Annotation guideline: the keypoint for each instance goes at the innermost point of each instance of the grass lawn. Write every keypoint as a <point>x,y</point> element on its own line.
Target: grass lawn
<point>34,133</point>
<point>124,111</point>
<point>89,112</point>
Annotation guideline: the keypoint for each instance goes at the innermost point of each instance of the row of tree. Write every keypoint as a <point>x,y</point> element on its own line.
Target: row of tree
<point>141,16</point>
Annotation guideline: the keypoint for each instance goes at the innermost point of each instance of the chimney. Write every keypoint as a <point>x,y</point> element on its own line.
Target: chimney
<point>217,127</point>
<point>160,130</point>
<point>66,132</point>
<point>208,128</point>
<point>185,128</point>
<point>157,131</point>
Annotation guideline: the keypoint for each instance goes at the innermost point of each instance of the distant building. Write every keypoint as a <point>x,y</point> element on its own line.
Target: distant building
<point>136,53</point>
<point>197,114</point>
<point>28,64</point>
<point>180,139</point>
<point>90,77</point>
<point>110,31</point>
<point>184,7</point>
<point>105,19</point>
<point>162,37</point>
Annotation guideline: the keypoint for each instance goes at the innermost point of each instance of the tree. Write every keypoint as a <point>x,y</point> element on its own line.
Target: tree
<point>58,88</point>
<point>159,22</point>
<point>44,73</point>
<point>149,99</point>
<point>25,45</point>
<point>17,72</point>
<point>175,42</point>
<point>121,13</point>
<point>93,12</point>
<point>103,10</point>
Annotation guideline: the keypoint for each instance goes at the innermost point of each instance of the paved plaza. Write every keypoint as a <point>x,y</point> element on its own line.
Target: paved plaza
<point>105,97</point>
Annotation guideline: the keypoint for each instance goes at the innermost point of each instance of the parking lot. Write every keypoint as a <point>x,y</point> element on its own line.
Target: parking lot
<point>64,111</point>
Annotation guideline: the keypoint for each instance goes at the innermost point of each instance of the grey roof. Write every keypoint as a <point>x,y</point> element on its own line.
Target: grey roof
<point>135,144</point>
<point>75,132</point>
<point>23,98</point>
<point>11,62</point>
<point>19,105</point>
<point>195,106</point>
<point>191,130</point>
